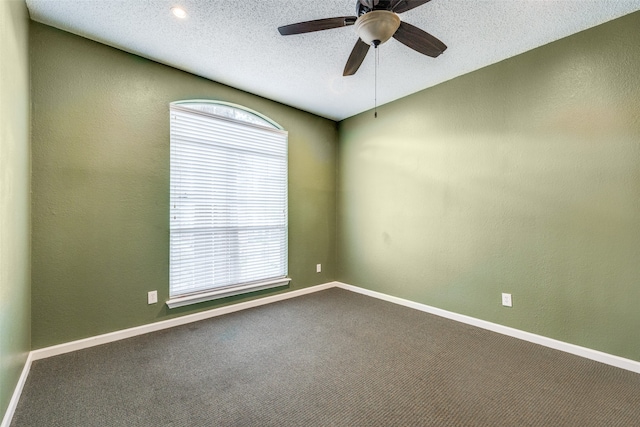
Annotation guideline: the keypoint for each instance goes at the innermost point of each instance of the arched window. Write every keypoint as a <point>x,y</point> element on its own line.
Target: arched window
<point>228,224</point>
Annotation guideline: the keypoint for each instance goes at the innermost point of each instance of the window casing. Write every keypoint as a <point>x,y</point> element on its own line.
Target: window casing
<point>228,202</point>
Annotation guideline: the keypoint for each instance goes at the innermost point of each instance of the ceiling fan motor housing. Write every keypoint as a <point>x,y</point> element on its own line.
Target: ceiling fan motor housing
<point>377,26</point>
<point>363,7</point>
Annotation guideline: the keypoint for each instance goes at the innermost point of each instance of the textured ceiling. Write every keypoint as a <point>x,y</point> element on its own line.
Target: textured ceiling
<point>236,42</point>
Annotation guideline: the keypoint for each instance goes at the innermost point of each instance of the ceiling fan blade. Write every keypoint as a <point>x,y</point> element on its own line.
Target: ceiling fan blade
<point>399,6</point>
<point>355,59</point>
<point>317,25</point>
<point>419,40</point>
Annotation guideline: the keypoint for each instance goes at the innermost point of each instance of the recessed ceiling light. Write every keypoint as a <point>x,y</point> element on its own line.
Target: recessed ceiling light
<point>179,12</point>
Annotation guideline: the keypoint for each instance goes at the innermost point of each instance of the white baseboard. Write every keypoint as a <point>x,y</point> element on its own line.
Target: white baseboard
<point>609,359</point>
<point>598,356</point>
<point>13,403</point>
<point>170,323</point>
<point>55,350</point>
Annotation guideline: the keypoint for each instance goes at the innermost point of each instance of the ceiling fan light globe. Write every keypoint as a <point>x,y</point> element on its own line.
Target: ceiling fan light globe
<point>377,25</point>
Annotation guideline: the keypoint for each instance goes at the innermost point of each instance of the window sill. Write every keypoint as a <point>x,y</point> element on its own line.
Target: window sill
<point>226,292</point>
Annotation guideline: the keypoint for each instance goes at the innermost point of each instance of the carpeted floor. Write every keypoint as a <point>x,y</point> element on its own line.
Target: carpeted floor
<point>332,358</point>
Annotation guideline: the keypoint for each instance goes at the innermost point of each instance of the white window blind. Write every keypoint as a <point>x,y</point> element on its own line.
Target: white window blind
<point>228,226</point>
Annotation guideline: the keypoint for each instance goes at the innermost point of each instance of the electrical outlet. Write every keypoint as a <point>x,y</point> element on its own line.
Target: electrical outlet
<point>318,268</point>
<point>506,300</point>
<point>152,297</point>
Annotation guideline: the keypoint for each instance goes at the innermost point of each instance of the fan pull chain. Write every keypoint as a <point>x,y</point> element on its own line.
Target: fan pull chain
<point>375,83</point>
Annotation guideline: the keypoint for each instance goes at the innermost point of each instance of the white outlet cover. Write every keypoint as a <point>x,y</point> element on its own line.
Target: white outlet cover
<point>152,297</point>
<point>506,300</point>
<point>318,268</point>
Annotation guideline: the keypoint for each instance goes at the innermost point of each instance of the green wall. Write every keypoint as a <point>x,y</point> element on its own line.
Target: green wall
<point>14,196</point>
<point>101,186</point>
<point>522,177</point>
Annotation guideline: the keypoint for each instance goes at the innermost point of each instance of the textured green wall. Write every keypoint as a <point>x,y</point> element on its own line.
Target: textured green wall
<point>522,177</point>
<point>101,186</point>
<point>14,196</point>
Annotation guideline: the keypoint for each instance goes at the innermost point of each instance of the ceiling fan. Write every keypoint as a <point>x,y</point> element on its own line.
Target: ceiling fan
<point>376,22</point>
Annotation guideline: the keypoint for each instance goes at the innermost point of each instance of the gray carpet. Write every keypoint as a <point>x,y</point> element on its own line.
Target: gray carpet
<point>333,358</point>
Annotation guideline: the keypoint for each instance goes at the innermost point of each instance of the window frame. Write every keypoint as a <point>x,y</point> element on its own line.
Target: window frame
<point>264,123</point>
